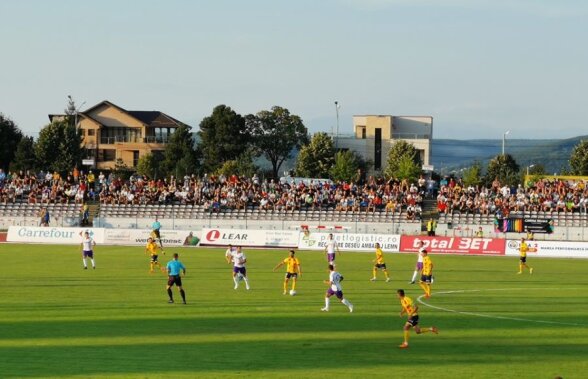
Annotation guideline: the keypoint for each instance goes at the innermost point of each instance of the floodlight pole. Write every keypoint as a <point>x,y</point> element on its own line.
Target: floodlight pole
<point>337,135</point>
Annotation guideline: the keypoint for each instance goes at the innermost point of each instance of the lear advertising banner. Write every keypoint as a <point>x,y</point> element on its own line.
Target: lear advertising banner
<point>350,241</point>
<point>454,245</point>
<point>556,249</point>
<point>64,235</point>
<point>139,237</point>
<point>251,238</point>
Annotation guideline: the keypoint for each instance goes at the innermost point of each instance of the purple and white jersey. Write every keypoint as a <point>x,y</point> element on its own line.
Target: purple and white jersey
<point>238,259</point>
<point>331,244</point>
<point>420,258</point>
<point>335,279</point>
<point>87,243</point>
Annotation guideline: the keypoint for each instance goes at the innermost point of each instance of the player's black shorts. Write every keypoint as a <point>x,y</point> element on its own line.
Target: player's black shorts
<point>174,279</point>
<point>381,266</point>
<point>154,258</point>
<point>426,278</point>
<point>156,233</point>
<point>523,259</point>
<point>291,275</point>
<point>413,320</point>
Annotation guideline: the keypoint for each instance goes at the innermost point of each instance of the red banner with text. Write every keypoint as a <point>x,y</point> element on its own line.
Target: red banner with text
<point>454,245</point>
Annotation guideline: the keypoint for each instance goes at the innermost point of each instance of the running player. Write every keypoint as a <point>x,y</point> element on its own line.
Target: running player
<point>156,232</point>
<point>419,264</point>
<point>523,249</point>
<point>426,274</point>
<point>239,271</point>
<point>331,248</point>
<point>293,270</point>
<point>379,264</point>
<point>411,310</point>
<point>151,248</point>
<point>335,288</point>
<point>88,244</point>
<point>174,270</point>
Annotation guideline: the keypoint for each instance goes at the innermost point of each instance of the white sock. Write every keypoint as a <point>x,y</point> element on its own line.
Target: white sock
<point>236,281</point>
<point>327,301</point>
<point>414,275</point>
<point>347,303</point>
<point>93,264</point>
<point>246,282</point>
<point>84,261</point>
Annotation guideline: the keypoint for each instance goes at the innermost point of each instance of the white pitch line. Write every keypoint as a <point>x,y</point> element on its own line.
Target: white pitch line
<point>419,299</point>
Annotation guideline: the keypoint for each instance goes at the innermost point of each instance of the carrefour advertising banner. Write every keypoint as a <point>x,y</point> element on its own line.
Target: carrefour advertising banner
<point>248,237</point>
<point>66,236</point>
<point>350,241</point>
<point>139,237</point>
<point>454,245</point>
<point>556,249</point>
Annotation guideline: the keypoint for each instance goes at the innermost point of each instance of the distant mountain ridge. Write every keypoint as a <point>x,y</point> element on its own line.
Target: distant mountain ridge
<point>450,155</point>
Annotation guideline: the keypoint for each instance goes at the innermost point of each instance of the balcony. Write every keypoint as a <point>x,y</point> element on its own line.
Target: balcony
<point>129,139</point>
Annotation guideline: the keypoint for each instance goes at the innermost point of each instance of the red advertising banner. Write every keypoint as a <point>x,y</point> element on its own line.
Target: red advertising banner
<point>454,245</point>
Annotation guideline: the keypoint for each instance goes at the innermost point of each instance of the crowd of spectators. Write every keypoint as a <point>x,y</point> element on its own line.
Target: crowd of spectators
<point>371,194</point>
<point>543,195</point>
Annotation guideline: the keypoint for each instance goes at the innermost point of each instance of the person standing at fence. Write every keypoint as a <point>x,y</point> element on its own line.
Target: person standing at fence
<point>88,244</point>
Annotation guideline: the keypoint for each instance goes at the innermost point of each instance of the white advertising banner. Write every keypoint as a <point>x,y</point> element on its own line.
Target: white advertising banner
<point>350,241</point>
<point>63,235</point>
<point>556,249</point>
<point>139,237</point>
<point>251,238</point>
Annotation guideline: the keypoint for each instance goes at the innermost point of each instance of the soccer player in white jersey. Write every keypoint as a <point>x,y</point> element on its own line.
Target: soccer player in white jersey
<point>419,265</point>
<point>88,244</point>
<point>239,271</point>
<point>335,288</point>
<point>331,248</point>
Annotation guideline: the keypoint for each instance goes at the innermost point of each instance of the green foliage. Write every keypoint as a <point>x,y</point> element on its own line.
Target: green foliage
<point>316,158</point>
<point>398,150</point>
<point>345,166</point>
<point>579,159</point>
<point>148,165</point>
<point>10,135</point>
<point>24,158</point>
<point>536,173</point>
<point>276,133</point>
<point>223,137</point>
<point>503,167</point>
<point>58,147</point>
<point>407,169</point>
<point>242,166</point>
<point>121,170</point>
<point>472,176</point>
<point>180,157</point>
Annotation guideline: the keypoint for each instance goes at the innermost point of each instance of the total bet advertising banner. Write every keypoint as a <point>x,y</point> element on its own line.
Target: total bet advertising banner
<point>453,245</point>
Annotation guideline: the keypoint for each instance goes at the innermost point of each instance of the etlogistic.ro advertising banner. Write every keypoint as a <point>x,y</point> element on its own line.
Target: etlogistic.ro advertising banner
<point>350,241</point>
<point>454,245</point>
<point>65,236</point>
<point>558,249</point>
<point>252,238</point>
<point>139,237</point>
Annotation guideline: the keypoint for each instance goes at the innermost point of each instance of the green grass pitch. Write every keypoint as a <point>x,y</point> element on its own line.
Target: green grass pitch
<point>57,320</point>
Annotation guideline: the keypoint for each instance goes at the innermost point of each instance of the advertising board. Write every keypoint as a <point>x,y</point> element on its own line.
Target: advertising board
<point>454,245</point>
<point>350,241</point>
<point>248,237</point>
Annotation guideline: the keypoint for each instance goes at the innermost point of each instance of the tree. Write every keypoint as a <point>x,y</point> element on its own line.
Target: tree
<point>148,165</point>
<point>276,133</point>
<point>58,147</point>
<point>472,176</point>
<point>223,137</point>
<point>242,166</point>
<point>504,168</point>
<point>397,151</point>
<point>408,169</point>
<point>345,166</point>
<point>180,157</point>
<point>316,158</point>
<point>10,135</point>
<point>24,158</point>
<point>579,158</point>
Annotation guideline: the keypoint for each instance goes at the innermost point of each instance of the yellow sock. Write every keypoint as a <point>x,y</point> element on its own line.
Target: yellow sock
<point>423,286</point>
<point>406,335</point>
<point>374,272</point>
<point>429,289</point>
<point>521,267</point>
<point>285,286</point>
<point>386,274</point>
<point>151,265</point>
<point>294,284</point>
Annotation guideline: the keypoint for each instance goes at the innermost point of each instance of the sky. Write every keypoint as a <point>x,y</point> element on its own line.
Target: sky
<point>479,68</point>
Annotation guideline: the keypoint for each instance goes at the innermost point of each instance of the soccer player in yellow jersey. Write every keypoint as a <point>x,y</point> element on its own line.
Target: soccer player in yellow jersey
<point>426,274</point>
<point>379,264</point>
<point>523,249</point>
<point>152,249</point>
<point>411,310</point>
<point>293,270</point>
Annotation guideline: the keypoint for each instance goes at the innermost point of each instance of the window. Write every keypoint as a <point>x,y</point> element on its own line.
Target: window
<point>107,154</point>
<point>91,132</point>
<point>378,149</point>
<point>135,158</point>
<point>363,136</point>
